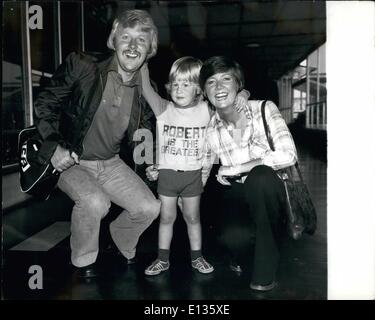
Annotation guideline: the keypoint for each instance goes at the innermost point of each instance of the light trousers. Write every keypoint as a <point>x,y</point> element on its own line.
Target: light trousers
<point>93,185</point>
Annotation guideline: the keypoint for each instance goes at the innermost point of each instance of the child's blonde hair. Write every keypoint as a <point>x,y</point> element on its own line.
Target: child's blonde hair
<point>188,67</point>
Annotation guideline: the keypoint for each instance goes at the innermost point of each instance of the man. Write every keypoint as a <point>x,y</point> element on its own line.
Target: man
<point>87,117</point>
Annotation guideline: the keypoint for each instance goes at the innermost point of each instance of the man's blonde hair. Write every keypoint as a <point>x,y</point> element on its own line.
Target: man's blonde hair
<point>188,67</point>
<point>131,18</point>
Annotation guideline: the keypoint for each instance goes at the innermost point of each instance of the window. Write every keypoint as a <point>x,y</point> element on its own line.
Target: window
<point>317,92</point>
<point>43,53</point>
<point>30,57</point>
<point>12,111</point>
<point>70,27</point>
<point>309,90</point>
<point>98,24</point>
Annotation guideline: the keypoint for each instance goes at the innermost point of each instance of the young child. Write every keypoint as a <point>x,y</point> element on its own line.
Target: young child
<point>181,126</point>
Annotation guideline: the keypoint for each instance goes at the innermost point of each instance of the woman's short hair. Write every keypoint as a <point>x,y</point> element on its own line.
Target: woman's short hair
<point>188,67</point>
<point>220,64</point>
<point>131,18</point>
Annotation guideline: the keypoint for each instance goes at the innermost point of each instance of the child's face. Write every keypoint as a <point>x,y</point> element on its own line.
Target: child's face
<point>183,92</point>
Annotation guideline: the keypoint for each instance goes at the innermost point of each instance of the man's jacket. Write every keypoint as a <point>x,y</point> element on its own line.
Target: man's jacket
<point>66,107</point>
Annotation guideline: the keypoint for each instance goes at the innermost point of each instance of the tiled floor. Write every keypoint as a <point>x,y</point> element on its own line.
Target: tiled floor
<point>302,273</point>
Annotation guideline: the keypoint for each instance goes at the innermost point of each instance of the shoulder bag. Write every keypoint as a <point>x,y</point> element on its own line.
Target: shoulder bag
<point>36,178</point>
<point>301,213</point>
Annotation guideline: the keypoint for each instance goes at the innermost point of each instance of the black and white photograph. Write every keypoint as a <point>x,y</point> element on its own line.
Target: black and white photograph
<point>268,105</point>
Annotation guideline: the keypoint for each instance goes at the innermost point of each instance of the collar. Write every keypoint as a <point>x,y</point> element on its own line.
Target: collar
<point>135,81</point>
<point>105,64</point>
<point>112,66</point>
<point>217,119</point>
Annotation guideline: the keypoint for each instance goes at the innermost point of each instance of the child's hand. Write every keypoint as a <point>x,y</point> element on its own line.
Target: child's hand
<point>144,70</point>
<point>240,103</point>
<point>241,100</point>
<point>152,173</point>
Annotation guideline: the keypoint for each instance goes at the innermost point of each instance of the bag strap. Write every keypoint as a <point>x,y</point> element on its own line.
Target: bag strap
<point>270,142</point>
<point>266,128</point>
<point>299,171</point>
<point>268,135</point>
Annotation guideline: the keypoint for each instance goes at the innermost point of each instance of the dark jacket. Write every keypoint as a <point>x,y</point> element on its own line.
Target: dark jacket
<point>66,107</point>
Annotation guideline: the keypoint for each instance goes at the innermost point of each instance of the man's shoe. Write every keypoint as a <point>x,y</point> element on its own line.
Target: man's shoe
<point>156,267</point>
<point>89,271</point>
<point>259,287</point>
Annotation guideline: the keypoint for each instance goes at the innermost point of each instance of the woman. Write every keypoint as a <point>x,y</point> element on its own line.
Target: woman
<point>247,162</point>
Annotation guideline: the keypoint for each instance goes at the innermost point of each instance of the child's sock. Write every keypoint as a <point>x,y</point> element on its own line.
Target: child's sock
<point>163,255</point>
<point>195,254</point>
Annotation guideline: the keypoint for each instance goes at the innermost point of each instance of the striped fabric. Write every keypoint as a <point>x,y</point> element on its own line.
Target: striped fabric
<point>236,149</point>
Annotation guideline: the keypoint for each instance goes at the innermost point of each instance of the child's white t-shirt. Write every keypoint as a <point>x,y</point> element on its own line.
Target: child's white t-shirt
<point>180,136</point>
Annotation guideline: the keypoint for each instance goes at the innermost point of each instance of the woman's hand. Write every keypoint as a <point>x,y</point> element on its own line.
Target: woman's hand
<point>226,171</point>
<point>229,171</point>
<point>152,173</point>
<point>222,180</point>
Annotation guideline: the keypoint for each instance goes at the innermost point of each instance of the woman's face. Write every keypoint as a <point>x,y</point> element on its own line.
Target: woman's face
<point>221,89</point>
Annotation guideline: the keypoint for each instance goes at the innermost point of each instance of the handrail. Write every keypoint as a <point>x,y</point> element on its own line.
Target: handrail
<point>316,115</point>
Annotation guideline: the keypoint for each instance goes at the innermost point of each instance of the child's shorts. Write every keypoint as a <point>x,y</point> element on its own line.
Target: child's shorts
<point>172,183</point>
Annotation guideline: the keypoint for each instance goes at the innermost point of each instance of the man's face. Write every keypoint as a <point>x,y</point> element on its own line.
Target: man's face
<point>132,46</point>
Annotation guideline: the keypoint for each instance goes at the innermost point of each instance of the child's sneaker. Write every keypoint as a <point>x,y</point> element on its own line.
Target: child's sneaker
<point>202,265</point>
<point>157,267</point>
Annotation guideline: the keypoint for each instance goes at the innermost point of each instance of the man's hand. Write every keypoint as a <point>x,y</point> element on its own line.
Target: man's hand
<point>62,160</point>
<point>152,173</point>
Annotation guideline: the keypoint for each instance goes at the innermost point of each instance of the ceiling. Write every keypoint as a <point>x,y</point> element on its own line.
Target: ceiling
<point>268,38</point>
<point>273,36</point>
